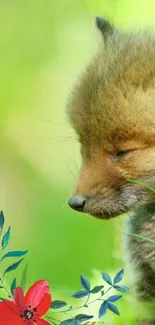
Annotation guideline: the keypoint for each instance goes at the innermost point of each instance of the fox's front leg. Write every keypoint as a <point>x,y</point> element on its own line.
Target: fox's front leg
<point>150,319</point>
<point>146,293</point>
<point>141,257</point>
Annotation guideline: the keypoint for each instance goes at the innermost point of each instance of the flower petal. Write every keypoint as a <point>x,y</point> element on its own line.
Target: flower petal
<point>36,293</point>
<point>10,306</point>
<point>44,305</point>
<point>19,298</point>
<point>8,316</point>
<point>42,322</point>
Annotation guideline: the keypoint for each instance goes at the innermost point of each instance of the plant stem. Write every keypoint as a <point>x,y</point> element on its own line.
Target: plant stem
<point>88,303</point>
<point>100,296</point>
<point>107,290</point>
<point>64,311</point>
<point>87,299</point>
<point>9,295</point>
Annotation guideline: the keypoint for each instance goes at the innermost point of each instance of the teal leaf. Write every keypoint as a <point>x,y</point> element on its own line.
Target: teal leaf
<point>14,254</point>
<point>106,278</point>
<point>82,317</point>
<point>113,308</point>
<point>13,286</point>
<point>70,321</point>
<point>80,294</point>
<point>23,279</point>
<point>85,282</point>
<point>6,238</point>
<point>13,267</point>
<point>114,298</point>
<point>58,304</point>
<point>1,221</point>
<point>54,322</point>
<point>97,289</point>
<point>119,276</point>
<point>103,309</point>
<point>121,288</point>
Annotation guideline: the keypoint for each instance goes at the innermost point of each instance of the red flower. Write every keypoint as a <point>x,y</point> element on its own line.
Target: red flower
<point>27,310</point>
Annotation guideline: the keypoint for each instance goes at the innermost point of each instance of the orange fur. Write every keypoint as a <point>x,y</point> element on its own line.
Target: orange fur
<point>112,109</point>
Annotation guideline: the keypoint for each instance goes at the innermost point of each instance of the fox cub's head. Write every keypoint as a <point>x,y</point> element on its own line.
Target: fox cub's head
<point>112,109</point>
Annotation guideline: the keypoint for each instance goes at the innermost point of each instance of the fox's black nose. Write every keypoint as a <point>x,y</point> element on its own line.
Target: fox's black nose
<point>77,202</point>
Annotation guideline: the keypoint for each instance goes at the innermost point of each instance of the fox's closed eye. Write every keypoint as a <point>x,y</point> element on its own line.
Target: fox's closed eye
<point>122,153</point>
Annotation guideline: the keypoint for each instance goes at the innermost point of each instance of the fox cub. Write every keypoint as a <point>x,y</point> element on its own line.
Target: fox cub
<point>112,109</point>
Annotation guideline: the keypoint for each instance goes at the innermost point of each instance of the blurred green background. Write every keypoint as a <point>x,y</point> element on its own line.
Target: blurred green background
<point>44,44</point>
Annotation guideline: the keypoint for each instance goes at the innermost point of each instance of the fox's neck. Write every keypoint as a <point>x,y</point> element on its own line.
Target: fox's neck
<point>138,218</point>
<point>141,217</point>
<point>140,247</point>
<point>141,223</point>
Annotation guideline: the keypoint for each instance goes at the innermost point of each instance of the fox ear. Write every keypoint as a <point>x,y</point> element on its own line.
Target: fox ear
<point>105,27</point>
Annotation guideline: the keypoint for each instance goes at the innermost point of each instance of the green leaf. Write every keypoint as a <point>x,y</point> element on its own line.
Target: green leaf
<point>23,279</point>
<point>140,237</point>
<point>141,183</point>
<point>13,286</point>
<point>97,289</point>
